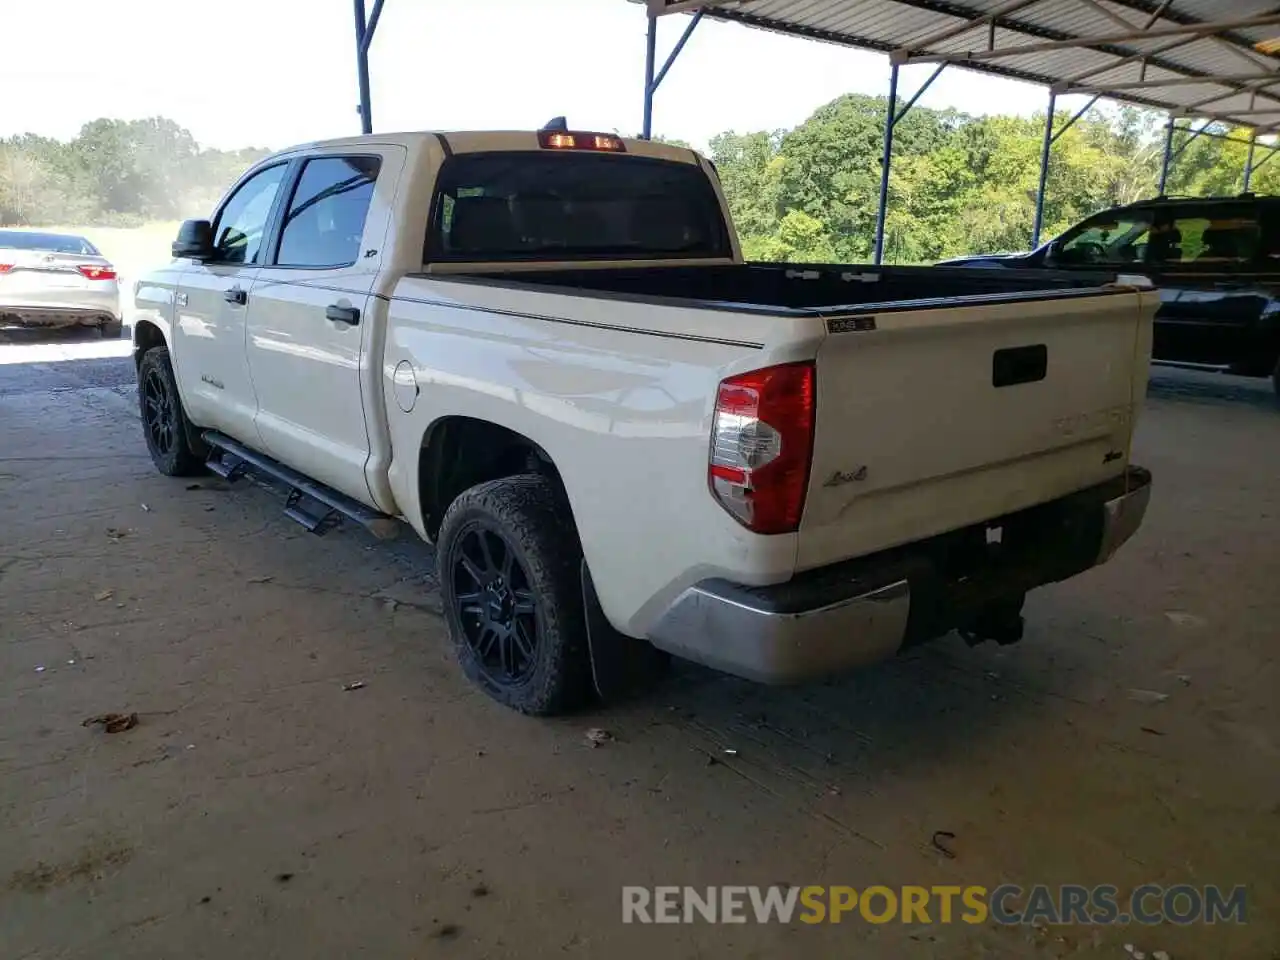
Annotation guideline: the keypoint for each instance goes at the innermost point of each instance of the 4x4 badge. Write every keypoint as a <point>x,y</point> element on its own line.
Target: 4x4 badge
<point>840,478</point>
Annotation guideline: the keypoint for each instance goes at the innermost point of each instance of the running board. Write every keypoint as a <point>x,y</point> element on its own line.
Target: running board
<point>309,503</point>
<point>1188,365</point>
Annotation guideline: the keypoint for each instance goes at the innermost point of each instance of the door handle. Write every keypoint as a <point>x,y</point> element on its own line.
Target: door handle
<point>235,295</point>
<point>337,314</point>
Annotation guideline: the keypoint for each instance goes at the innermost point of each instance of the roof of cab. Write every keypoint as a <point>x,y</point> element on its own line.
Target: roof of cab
<point>482,141</point>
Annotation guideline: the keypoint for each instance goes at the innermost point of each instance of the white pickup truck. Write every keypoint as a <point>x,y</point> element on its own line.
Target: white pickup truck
<point>544,352</point>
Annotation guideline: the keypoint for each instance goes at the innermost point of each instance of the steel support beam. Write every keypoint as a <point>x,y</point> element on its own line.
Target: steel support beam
<point>1262,80</point>
<point>1202,132</point>
<point>929,39</point>
<point>1045,144</point>
<point>1248,161</point>
<point>651,80</point>
<point>366,25</point>
<point>1074,117</point>
<point>1170,30</point>
<point>1168,155</point>
<point>650,51</point>
<point>918,94</point>
<point>886,158</point>
<point>1271,152</point>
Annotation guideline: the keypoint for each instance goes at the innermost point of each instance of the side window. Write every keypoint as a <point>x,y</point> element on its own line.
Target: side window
<point>1216,239</point>
<point>241,225</point>
<point>325,223</point>
<point>1112,241</point>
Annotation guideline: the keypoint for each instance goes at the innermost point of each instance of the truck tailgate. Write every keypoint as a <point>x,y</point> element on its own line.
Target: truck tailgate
<point>933,419</point>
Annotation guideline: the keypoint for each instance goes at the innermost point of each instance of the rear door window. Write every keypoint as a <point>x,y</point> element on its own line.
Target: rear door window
<point>573,206</point>
<point>1220,237</point>
<point>324,226</point>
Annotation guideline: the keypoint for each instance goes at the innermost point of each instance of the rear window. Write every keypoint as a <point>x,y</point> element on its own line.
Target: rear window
<point>47,242</point>
<point>579,206</point>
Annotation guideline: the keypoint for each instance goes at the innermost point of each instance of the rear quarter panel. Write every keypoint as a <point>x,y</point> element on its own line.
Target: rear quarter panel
<point>625,416</point>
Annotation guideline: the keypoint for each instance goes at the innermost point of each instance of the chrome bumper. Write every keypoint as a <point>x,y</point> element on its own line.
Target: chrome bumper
<point>828,621</point>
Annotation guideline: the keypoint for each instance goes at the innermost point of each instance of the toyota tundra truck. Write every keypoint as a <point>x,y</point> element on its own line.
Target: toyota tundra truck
<point>544,353</point>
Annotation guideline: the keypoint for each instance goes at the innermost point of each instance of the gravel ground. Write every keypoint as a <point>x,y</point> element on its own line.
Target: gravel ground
<point>260,809</point>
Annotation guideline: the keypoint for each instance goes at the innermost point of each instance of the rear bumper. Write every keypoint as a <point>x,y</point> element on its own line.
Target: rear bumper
<point>71,309</point>
<point>833,619</point>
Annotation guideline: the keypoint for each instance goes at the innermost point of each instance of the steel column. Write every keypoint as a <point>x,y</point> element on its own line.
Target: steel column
<point>651,81</point>
<point>650,54</point>
<point>886,157</point>
<point>362,68</point>
<point>1044,170</point>
<point>1168,155</point>
<point>1248,163</point>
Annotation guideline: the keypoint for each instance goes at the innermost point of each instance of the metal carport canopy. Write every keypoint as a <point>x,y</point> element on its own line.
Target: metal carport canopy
<point>1212,59</point>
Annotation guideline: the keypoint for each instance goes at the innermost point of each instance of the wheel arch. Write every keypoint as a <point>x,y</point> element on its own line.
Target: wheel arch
<point>147,336</point>
<point>457,452</point>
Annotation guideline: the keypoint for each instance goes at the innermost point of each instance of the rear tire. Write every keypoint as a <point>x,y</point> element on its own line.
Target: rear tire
<point>112,330</point>
<point>164,422</point>
<point>509,564</point>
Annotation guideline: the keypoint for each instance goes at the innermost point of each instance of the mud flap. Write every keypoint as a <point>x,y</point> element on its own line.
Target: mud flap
<point>621,666</point>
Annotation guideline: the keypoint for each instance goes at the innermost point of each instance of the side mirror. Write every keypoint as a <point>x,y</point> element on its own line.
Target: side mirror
<point>195,240</point>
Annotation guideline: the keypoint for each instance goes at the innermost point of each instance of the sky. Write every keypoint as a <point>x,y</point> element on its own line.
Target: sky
<point>270,73</point>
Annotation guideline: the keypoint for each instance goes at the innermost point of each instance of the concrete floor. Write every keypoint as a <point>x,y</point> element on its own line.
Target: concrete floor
<point>260,809</point>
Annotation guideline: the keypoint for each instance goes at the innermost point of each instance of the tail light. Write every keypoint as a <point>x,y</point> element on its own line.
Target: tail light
<point>98,273</point>
<point>5,267</point>
<point>762,445</point>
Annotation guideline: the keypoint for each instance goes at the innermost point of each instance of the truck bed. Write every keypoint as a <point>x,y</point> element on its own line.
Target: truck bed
<point>804,289</point>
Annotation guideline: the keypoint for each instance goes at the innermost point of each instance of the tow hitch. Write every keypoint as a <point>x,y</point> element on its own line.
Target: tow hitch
<point>1000,621</point>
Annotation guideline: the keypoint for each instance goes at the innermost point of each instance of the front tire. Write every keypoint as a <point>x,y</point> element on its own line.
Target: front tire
<point>509,565</point>
<point>164,422</point>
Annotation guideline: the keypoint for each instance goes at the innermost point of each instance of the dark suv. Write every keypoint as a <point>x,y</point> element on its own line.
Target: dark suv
<point>1216,261</point>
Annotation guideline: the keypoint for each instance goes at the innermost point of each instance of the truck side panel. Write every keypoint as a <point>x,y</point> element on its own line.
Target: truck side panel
<point>626,418</point>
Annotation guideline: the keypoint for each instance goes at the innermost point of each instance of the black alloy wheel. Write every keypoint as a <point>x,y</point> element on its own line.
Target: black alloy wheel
<point>159,413</point>
<point>496,605</point>
<point>164,422</point>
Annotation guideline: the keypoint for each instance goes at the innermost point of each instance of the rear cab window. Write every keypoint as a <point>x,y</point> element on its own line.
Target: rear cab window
<point>514,206</point>
<point>47,243</point>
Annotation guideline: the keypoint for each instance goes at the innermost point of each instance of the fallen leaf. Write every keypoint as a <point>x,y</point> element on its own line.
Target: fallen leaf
<point>145,508</point>
<point>1184,679</point>
<point>194,486</point>
<point>1180,619</point>
<point>598,735</point>
<point>103,595</point>
<point>260,579</point>
<point>113,722</point>
<point>1147,696</point>
<point>115,534</point>
<point>354,685</point>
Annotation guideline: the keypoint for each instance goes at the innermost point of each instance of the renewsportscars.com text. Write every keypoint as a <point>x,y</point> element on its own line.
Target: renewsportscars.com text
<point>1006,904</point>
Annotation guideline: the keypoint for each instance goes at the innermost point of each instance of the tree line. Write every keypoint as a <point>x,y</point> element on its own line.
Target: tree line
<point>958,183</point>
<point>114,173</point>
